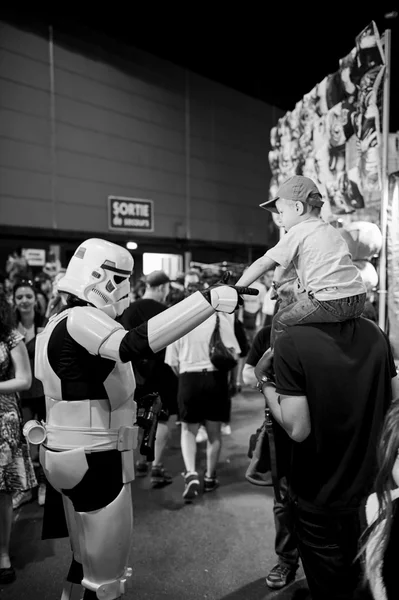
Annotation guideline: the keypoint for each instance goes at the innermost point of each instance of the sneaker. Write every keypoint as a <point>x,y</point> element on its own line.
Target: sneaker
<point>7,575</point>
<point>225,429</point>
<point>41,494</point>
<point>202,435</point>
<point>159,477</point>
<point>280,576</point>
<point>210,483</point>
<point>191,486</point>
<point>20,498</point>
<point>141,469</point>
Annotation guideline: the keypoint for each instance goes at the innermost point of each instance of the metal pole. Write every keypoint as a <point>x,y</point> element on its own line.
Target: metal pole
<point>53,144</point>
<point>187,254</point>
<point>382,302</point>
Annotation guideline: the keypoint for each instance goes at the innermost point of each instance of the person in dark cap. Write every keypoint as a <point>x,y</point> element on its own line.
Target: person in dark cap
<point>156,279</point>
<point>330,285</point>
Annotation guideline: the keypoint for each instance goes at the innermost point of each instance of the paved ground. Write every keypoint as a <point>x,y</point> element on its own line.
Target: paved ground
<point>219,548</point>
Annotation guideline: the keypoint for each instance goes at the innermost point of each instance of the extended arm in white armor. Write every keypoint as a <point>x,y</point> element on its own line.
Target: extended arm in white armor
<point>101,335</point>
<point>183,317</point>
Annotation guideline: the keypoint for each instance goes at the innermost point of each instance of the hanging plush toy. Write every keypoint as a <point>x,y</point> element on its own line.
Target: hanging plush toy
<point>364,240</point>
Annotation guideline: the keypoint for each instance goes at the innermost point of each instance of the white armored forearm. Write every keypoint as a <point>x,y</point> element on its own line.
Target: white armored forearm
<point>176,321</point>
<point>172,324</point>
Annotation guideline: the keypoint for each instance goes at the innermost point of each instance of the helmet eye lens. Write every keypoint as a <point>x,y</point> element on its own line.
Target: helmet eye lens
<point>118,279</point>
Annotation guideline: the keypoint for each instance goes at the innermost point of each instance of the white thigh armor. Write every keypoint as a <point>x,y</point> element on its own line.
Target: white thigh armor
<point>101,541</point>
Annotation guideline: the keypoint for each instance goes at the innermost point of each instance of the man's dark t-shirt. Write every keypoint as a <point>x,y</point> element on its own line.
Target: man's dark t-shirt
<point>152,375</point>
<point>345,372</point>
<point>139,311</point>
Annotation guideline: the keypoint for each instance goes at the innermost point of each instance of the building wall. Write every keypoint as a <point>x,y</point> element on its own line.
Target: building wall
<point>132,125</point>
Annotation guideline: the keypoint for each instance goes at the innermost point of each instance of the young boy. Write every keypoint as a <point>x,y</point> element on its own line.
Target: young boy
<point>330,286</point>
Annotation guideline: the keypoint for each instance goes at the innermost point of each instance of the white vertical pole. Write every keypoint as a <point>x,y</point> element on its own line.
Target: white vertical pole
<point>382,304</point>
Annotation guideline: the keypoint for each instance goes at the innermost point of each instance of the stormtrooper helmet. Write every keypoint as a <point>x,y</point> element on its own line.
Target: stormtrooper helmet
<point>99,273</point>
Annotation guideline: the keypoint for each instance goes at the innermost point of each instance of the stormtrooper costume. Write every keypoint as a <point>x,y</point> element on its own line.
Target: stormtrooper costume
<point>83,358</point>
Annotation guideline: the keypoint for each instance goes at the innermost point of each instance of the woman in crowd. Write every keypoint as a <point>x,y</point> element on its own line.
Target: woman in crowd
<point>16,469</point>
<point>381,548</point>
<point>30,322</point>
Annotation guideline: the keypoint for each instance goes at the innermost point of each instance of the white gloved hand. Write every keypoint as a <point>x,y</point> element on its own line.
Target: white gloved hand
<point>226,298</point>
<point>223,298</point>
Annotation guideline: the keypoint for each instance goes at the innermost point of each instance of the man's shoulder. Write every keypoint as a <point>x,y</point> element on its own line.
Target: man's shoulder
<point>142,304</point>
<point>151,302</point>
<point>140,310</point>
<point>355,329</point>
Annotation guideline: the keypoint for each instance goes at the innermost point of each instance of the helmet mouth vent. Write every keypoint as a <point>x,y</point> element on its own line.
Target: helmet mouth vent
<point>103,296</point>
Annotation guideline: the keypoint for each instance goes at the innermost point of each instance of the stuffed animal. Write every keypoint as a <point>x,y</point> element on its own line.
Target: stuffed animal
<point>364,240</point>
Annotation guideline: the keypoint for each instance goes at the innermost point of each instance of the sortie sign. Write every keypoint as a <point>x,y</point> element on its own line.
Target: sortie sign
<point>130,214</point>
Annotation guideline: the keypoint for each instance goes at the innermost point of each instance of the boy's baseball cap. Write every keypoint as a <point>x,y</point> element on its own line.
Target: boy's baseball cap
<point>296,188</point>
<point>157,278</point>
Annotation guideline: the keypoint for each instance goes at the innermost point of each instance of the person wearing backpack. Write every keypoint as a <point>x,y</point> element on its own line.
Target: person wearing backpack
<point>203,396</point>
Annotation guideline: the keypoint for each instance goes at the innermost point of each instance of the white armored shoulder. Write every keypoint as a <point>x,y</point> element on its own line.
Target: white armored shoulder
<point>95,331</point>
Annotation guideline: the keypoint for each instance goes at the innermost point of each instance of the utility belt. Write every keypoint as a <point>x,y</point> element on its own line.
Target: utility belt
<point>56,437</point>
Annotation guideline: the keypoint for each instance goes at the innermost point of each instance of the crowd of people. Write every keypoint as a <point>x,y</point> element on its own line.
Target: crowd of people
<point>308,340</point>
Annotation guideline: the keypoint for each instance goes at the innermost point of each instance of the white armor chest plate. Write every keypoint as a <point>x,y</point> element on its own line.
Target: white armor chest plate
<point>118,410</point>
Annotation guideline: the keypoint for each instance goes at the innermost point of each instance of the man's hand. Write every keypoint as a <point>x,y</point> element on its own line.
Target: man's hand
<point>264,368</point>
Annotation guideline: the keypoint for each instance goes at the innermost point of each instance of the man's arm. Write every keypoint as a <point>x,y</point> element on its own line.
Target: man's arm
<point>259,345</point>
<point>291,412</point>
<point>287,400</point>
<point>254,271</point>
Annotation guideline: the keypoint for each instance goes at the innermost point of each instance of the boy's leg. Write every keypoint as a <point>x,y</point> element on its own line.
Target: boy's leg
<point>309,310</point>
<point>305,310</point>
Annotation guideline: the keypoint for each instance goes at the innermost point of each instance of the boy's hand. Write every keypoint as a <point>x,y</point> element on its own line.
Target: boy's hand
<point>240,290</point>
<point>224,297</point>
